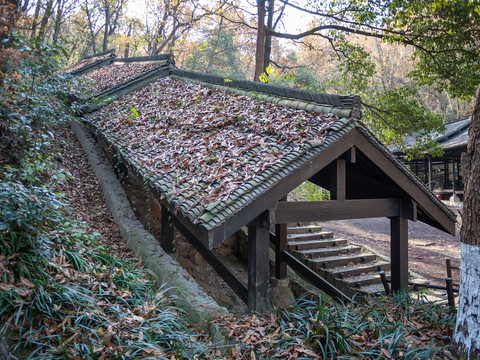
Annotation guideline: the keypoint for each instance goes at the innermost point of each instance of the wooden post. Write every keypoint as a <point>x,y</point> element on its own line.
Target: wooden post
<point>450,294</point>
<point>386,286</point>
<point>445,174</point>
<point>352,155</point>
<point>430,172</point>
<point>280,246</point>
<point>258,263</point>
<point>167,231</point>
<point>454,176</point>
<point>338,180</point>
<point>399,251</point>
<point>448,267</point>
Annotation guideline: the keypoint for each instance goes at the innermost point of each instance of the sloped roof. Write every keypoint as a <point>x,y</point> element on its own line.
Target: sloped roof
<point>454,136</point>
<point>209,151</point>
<point>212,146</point>
<point>110,75</point>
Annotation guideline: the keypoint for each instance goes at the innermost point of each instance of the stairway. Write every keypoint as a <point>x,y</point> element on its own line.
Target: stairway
<point>350,268</point>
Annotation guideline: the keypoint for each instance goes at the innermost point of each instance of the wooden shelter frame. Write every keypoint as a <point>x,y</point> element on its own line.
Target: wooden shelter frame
<point>267,218</point>
<point>364,179</point>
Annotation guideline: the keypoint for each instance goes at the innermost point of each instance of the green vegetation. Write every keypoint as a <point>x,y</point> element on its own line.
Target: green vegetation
<point>309,192</point>
<point>63,295</point>
<point>398,327</point>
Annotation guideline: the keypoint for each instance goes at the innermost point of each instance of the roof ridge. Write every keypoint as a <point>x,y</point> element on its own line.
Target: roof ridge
<point>468,117</point>
<point>341,112</point>
<point>161,57</point>
<point>342,101</point>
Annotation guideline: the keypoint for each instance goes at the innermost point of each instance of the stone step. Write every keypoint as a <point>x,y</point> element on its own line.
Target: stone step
<point>304,229</point>
<point>374,289</point>
<point>330,251</point>
<point>344,272</point>
<point>334,261</point>
<point>310,236</point>
<point>314,244</point>
<point>360,281</point>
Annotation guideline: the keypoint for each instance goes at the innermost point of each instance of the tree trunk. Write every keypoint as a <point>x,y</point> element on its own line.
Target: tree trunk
<point>106,30</point>
<point>35,19</point>
<point>44,22</point>
<point>127,45</point>
<point>58,21</point>
<point>467,331</point>
<point>268,37</point>
<point>93,41</point>
<point>215,47</point>
<point>260,50</point>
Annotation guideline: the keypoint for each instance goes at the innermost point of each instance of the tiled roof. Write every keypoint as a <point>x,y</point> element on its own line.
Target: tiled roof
<point>459,140</point>
<point>111,75</point>
<point>455,135</point>
<point>253,149</point>
<point>249,171</point>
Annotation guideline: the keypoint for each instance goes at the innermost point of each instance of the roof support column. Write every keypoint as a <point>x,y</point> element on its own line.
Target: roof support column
<point>258,263</point>
<point>454,175</point>
<point>167,231</point>
<point>399,251</point>
<point>430,172</point>
<point>280,246</point>
<point>338,180</point>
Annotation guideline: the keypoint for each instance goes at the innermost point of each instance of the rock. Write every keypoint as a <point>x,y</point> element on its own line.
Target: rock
<point>227,247</point>
<point>199,260</point>
<point>280,294</point>
<point>4,354</point>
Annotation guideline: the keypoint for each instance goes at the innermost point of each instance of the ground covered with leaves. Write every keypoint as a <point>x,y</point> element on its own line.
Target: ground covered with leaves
<point>398,327</point>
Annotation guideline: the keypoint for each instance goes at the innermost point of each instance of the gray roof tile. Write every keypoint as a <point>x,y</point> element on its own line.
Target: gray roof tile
<point>218,211</point>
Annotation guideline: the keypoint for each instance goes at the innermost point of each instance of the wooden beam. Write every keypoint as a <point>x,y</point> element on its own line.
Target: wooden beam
<point>258,263</point>
<point>410,210</point>
<point>454,176</point>
<point>229,277</point>
<point>300,211</point>
<point>198,232</point>
<point>441,220</point>
<point>352,155</point>
<point>167,231</point>
<point>430,172</point>
<point>399,252</point>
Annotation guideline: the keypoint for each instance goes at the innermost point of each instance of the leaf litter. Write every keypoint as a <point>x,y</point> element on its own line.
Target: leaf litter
<point>108,76</point>
<point>209,142</point>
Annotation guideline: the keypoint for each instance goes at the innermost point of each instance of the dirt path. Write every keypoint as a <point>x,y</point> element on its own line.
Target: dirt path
<point>428,247</point>
<point>84,195</point>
